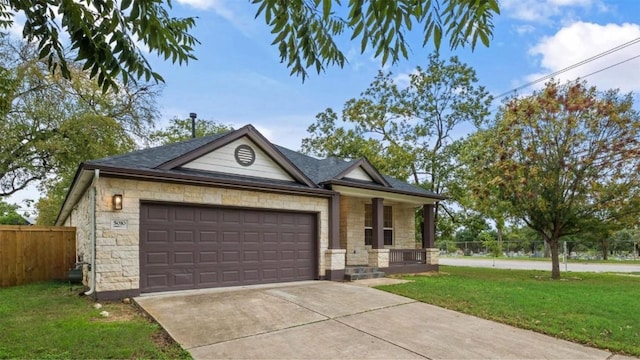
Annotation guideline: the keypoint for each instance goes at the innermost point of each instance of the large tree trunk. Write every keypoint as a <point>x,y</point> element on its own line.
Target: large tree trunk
<point>555,261</point>
<point>547,250</point>
<point>605,249</point>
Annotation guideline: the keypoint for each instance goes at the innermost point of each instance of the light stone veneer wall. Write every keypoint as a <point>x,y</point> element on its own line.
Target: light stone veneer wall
<point>117,251</point>
<point>352,228</point>
<point>80,217</point>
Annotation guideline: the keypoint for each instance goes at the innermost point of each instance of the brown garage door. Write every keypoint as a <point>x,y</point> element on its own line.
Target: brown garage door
<point>192,247</point>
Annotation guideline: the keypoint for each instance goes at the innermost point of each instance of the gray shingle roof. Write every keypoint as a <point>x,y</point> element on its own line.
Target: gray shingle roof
<point>153,157</point>
<point>317,170</point>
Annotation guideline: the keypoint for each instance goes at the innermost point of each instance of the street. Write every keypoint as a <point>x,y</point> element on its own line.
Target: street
<point>538,265</point>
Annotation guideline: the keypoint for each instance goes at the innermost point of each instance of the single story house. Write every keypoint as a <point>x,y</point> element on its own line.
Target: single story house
<point>234,209</point>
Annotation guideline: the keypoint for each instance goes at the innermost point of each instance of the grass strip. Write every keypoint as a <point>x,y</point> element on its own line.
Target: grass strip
<point>50,321</point>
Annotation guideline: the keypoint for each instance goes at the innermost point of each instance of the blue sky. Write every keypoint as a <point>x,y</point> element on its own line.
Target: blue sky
<point>238,78</point>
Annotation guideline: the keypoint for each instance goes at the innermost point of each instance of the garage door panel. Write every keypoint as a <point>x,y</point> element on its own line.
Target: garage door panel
<point>157,258</point>
<point>208,257</point>
<point>189,247</point>
<point>208,236</point>
<point>183,258</point>
<point>156,214</point>
<point>184,214</point>
<point>157,236</point>
<point>184,236</point>
<point>270,255</point>
<point>183,279</point>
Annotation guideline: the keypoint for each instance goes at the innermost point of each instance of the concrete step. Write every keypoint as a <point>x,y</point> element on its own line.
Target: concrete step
<point>360,269</point>
<point>364,275</point>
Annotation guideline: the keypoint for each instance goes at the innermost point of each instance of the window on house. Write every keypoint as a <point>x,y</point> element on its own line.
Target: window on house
<point>387,224</point>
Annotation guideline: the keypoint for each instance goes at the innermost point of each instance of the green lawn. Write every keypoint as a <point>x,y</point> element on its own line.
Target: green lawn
<point>50,321</point>
<point>600,310</point>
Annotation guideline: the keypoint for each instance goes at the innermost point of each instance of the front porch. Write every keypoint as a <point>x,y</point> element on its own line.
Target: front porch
<point>378,236</point>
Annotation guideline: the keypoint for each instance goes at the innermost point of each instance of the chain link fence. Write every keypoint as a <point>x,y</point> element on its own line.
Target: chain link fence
<point>537,249</point>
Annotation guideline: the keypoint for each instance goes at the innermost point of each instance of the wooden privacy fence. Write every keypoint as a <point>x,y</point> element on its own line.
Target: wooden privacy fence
<point>35,253</point>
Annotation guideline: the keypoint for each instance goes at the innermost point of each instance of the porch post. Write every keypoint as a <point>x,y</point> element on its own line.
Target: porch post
<point>334,222</point>
<point>429,234</point>
<point>428,227</point>
<point>335,257</point>
<point>377,210</point>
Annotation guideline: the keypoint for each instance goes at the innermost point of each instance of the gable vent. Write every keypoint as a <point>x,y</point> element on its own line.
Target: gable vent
<point>245,155</point>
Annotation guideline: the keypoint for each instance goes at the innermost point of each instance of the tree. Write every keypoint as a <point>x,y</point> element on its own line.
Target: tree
<point>562,159</point>
<point>94,136</point>
<point>104,34</point>
<point>180,130</point>
<point>51,124</point>
<point>45,115</point>
<point>9,214</point>
<point>406,132</point>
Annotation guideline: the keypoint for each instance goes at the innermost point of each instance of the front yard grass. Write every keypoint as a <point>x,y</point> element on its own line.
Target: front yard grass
<point>600,310</point>
<point>50,321</point>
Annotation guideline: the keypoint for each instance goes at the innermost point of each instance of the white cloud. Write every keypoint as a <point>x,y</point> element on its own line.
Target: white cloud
<point>402,80</point>
<point>580,41</point>
<point>543,10</point>
<point>235,12</point>
<point>524,29</point>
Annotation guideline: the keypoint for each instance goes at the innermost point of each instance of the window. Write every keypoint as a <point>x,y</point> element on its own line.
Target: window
<point>387,224</point>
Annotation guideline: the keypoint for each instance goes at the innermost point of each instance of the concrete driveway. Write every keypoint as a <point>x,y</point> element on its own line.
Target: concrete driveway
<point>328,320</point>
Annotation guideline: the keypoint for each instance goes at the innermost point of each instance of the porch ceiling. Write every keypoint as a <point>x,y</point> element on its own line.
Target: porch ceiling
<point>390,196</point>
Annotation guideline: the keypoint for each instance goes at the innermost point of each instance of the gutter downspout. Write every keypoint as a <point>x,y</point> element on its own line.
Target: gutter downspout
<point>92,231</point>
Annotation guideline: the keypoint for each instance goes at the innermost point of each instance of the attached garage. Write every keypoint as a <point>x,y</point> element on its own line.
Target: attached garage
<point>233,209</point>
<point>192,247</point>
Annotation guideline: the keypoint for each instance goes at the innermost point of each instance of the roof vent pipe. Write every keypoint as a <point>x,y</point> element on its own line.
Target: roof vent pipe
<point>193,117</point>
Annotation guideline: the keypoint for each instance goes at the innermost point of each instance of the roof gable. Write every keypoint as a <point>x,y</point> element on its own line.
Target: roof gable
<point>363,170</point>
<point>267,162</point>
<point>240,157</point>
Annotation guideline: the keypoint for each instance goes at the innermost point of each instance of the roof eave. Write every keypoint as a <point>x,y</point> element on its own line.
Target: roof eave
<point>384,189</point>
<point>155,175</point>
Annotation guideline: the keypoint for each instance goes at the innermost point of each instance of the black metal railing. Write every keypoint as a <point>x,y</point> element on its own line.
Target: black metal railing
<point>407,256</point>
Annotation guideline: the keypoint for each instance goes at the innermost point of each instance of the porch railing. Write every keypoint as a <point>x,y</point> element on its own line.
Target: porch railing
<point>407,256</point>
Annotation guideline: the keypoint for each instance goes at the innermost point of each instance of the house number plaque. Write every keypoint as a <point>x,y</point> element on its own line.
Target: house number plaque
<point>119,224</point>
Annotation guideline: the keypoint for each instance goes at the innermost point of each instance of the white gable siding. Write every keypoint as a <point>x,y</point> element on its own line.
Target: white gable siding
<point>358,174</point>
<point>223,160</point>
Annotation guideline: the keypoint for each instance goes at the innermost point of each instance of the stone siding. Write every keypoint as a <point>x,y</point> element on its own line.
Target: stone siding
<point>117,251</point>
<point>80,217</point>
<point>352,228</point>
<point>404,227</point>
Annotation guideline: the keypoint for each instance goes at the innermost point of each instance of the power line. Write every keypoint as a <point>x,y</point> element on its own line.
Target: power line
<point>571,67</point>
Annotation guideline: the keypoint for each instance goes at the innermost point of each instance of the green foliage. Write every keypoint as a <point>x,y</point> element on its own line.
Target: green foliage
<point>406,132</point>
<point>305,31</point>
<point>599,310</point>
<point>180,130</point>
<point>50,321</point>
<point>54,124</point>
<point>9,214</point>
<point>103,36</point>
<point>490,243</point>
<point>565,160</point>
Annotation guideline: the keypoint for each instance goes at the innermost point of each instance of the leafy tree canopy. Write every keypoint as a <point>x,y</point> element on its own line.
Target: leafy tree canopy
<point>104,34</point>
<point>180,130</point>
<point>9,214</point>
<point>49,124</point>
<point>406,132</point>
<point>562,160</point>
